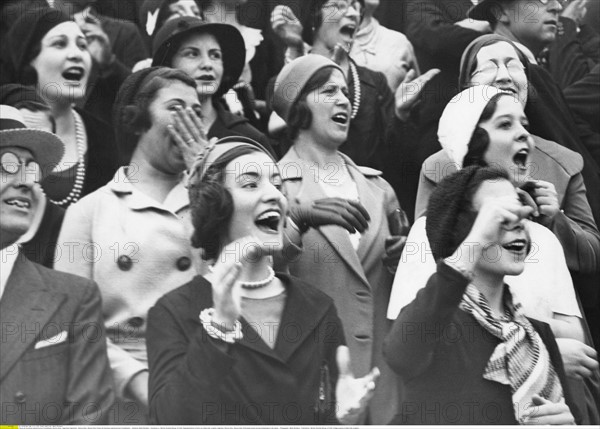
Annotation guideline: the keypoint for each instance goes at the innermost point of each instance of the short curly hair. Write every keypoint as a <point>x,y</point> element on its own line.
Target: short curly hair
<point>450,212</point>
<point>212,205</point>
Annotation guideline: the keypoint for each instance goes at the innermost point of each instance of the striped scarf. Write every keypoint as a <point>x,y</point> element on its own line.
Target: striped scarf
<point>521,360</point>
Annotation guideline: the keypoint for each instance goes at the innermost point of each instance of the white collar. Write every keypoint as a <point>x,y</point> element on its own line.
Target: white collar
<point>8,257</point>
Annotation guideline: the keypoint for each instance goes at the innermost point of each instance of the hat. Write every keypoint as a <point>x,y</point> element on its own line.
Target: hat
<point>24,35</point>
<point>483,10</point>
<point>14,94</point>
<point>220,148</point>
<point>293,78</point>
<point>460,118</point>
<point>47,148</point>
<point>170,35</point>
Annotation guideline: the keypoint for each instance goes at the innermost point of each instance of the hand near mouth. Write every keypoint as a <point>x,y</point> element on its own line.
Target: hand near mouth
<point>546,200</point>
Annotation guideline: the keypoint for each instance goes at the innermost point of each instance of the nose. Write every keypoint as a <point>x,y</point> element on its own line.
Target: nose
<point>74,52</point>
<point>352,11</point>
<point>205,63</point>
<point>342,99</point>
<point>555,6</point>
<point>522,133</point>
<point>503,75</point>
<point>25,178</point>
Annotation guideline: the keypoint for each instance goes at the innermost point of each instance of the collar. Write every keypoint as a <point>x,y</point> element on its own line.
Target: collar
<point>8,257</point>
<point>366,36</point>
<point>293,167</point>
<point>121,185</point>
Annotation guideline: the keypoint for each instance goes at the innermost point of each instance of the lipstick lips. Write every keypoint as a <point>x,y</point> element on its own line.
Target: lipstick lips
<point>75,74</point>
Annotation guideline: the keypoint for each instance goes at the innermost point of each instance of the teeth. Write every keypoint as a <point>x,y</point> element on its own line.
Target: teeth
<point>269,215</point>
<point>517,245</point>
<point>19,203</point>
<point>340,117</point>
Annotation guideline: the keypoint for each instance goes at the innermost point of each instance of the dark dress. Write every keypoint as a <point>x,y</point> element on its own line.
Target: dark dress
<point>195,379</point>
<point>440,353</point>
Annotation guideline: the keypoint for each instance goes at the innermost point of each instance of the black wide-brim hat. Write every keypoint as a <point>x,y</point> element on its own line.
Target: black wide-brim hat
<point>169,37</point>
<point>484,10</point>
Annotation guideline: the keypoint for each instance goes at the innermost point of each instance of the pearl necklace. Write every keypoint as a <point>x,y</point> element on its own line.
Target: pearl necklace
<point>356,84</point>
<point>80,174</point>
<point>261,283</point>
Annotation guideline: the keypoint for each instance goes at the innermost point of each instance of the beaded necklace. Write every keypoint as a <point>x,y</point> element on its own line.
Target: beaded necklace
<point>356,85</point>
<point>75,193</point>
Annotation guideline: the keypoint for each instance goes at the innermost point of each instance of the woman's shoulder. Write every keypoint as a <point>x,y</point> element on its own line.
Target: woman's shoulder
<point>197,291</point>
<point>570,161</point>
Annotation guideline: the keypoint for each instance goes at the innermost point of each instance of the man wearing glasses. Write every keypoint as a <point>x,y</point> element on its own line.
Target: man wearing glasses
<point>53,363</point>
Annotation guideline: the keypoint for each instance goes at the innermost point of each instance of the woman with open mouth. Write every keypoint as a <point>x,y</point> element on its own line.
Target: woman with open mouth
<point>464,346</point>
<point>484,125</point>
<point>348,262</point>
<point>243,344</point>
<point>48,50</point>
<point>213,55</point>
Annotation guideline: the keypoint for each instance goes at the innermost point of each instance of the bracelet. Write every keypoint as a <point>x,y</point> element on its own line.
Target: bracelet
<point>213,330</point>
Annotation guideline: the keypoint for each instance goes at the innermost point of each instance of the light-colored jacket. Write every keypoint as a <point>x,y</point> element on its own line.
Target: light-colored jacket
<point>357,280</point>
<point>137,250</point>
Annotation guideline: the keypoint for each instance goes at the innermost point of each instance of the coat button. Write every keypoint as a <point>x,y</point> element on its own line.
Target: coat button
<point>135,322</point>
<point>124,262</point>
<point>20,397</point>
<point>184,263</point>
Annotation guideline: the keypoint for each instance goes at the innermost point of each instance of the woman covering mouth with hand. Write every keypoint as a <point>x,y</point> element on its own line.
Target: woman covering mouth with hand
<point>213,55</point>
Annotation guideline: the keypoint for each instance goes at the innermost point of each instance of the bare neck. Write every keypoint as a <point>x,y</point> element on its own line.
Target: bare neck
<point>151,181</point>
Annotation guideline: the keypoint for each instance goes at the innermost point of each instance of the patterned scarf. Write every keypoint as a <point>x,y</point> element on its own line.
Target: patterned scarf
<point>521,360</point>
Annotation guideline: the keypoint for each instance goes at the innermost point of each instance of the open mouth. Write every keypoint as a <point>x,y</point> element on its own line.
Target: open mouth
<point>340,118</point>
<point>348,30</point>
<point>269,221</point>
<point>19,202</point>
<point>74,73</point>
<point>521,158</point>
<point>206,77</point>
<point>518,246</point>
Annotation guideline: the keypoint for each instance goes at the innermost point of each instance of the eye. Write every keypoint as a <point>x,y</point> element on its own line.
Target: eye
<point>216,55</point>
<point>505,125</point>
<point>59,43</point>
<point>525,124</point>
<point>82,44</point>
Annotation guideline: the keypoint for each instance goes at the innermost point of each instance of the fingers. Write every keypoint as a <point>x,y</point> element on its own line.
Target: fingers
<point>394,244</point>
<point>527,200</point>
<point>347,210</point>
<point>426,77</point>
<point>409,76</point>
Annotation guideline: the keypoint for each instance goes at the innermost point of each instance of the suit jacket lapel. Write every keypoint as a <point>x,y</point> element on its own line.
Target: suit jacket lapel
<point>25,308</point>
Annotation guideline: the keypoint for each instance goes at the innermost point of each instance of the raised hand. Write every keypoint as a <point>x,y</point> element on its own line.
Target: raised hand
<point>224,277</point>
<point>546,199</point>
<point>352,394</point>
<point>348,214</point>
<point>575,10</point>
<point>285,24</point>
<point>187,130</point>
<point>409,91</point>
<point>545,412</point>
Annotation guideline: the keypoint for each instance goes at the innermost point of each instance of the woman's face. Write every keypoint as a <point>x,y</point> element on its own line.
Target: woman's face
<point>200,57</point>
<point>499,65</point>
<point>507,255</point>
<point>259,206</point>
<point>156,144</point>
<point>331,110</point>
<point>183,8</point>
<point>511,144</point>
<point>340,20</point>
<point>63,64</point>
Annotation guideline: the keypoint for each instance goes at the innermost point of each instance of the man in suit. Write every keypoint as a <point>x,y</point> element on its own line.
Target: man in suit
<point>53,363</point>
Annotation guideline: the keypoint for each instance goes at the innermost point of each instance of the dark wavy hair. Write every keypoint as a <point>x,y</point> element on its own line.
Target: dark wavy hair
<point>480,140</point>
<point>212,205</point>
<point>450,212</point>
<point>300,116</point>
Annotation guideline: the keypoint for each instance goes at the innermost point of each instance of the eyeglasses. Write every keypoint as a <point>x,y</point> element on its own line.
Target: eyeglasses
<point>562,2</point>
<point>490,69</point>
<point>11,165</point>
<point>342,6</point>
